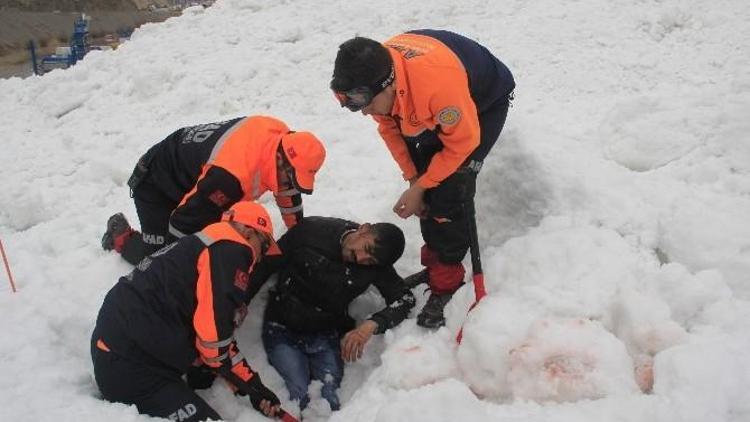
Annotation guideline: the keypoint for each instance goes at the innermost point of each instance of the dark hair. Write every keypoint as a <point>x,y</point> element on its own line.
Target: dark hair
<point>389,243</point>
<point>360,62</point>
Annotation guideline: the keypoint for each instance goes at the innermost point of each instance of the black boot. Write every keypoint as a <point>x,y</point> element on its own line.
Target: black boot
<point>431,315</point>
<point>416,279</point>
<point>117,225</point>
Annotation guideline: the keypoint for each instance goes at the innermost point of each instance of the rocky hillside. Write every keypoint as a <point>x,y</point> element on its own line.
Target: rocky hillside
<point>81,5</point>
<point>18,27</point>
<point>49,23</point>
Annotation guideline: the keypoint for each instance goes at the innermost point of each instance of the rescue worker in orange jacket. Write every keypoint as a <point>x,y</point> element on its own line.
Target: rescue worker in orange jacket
<point>187,180</point>
<point>440,101</point>
<point>179,308</point>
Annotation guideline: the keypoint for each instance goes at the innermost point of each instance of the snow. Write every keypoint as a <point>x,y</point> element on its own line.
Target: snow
<point>614,213</point>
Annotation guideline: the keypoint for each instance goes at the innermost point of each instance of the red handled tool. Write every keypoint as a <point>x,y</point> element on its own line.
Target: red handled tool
<point>285,416</point>
<point>476,268</point>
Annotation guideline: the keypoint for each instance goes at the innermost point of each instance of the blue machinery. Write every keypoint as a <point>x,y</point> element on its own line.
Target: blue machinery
<point>65,57</point>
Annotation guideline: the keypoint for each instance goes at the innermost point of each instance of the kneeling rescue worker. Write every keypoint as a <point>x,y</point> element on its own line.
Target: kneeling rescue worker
<point>185,182</point>
<point>178,309</point>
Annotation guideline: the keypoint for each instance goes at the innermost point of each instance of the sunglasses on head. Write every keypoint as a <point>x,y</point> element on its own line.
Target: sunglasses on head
<point>356,99</point>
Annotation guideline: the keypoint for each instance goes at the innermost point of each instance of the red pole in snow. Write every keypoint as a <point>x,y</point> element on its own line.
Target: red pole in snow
<point>476,267</point>
<point>7,267</point>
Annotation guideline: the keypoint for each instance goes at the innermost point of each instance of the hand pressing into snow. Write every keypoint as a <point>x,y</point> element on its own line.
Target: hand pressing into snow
<point>353,343</point>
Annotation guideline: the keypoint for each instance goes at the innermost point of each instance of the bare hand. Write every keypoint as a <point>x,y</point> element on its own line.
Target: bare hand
<point>269,409</point>
<point>353,343</point>
<point>411,202</point>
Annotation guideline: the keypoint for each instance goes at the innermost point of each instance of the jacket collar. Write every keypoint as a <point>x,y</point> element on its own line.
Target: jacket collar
<point>399,83</point>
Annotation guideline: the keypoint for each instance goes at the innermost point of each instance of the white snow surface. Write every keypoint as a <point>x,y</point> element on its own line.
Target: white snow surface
<point>614,212</point>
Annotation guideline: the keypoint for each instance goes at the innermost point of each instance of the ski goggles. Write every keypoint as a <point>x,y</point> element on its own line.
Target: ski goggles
<point>356,99</point>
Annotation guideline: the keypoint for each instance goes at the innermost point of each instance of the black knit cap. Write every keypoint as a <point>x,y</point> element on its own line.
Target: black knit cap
<point>360,62</point>
<point>389,243</point>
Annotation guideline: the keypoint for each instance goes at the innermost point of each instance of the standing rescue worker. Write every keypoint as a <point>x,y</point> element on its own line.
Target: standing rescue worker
<point>187,180</point>
<point>440,100</point>
<point>179,308</point>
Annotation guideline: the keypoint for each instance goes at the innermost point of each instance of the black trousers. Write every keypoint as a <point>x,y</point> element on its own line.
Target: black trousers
<point>154,209</point>
<point>451,203</point>
<point>158,392</point>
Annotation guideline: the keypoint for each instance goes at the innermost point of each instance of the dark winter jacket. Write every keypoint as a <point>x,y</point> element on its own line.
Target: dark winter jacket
<point>315,286</point>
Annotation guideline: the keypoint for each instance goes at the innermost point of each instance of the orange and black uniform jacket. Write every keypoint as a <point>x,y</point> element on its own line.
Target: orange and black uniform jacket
<point>205,169</point>
<point>180,304</point>
<point>444,81</point>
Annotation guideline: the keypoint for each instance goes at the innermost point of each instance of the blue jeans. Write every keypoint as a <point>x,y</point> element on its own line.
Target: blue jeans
<point>300,358</point>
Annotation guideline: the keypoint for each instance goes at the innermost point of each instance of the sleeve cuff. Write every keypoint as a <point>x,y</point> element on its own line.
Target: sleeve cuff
<point>426,183</point>
<point>381,324</point>
<point>408,176</point>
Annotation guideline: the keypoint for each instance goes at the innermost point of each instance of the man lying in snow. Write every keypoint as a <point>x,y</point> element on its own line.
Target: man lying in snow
<point>326,264</point>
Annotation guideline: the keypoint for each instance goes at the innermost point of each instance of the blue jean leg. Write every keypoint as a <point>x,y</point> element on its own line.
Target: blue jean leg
<point>299,358</point>
<point>327,366</point>
<point>286,356</point>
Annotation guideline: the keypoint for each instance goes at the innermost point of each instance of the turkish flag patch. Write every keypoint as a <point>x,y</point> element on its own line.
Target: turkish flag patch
<point>241,279</point>
<point>219,198</point>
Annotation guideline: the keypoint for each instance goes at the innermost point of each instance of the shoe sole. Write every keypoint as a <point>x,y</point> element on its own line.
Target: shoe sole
<point>108,241</point>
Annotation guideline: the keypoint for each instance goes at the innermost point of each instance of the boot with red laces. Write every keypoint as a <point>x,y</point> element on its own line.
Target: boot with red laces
<point>118,232</point>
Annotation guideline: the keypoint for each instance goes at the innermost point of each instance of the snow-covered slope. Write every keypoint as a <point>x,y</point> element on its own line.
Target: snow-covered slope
<point>614,213</point>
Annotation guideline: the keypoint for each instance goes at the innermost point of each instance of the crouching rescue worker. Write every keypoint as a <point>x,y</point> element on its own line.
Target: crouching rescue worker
<point>325,264</point>
<point>440,100</point>
<point>186,181</point>
<point>178,309</point>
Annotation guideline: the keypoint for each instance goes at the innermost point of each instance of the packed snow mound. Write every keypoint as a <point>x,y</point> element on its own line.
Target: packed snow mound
<point>569,360</point>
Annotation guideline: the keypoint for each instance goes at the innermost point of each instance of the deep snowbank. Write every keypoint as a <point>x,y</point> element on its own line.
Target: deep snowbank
<point>613,215</point>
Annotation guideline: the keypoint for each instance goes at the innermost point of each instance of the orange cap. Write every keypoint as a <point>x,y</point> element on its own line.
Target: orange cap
<point>250,214</point>
<point>306,154</point>
<point>253,215</point>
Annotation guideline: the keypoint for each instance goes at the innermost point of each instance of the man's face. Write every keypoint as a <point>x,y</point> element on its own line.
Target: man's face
<point>259,240</point>
<point>357,247</point>
<point>381,104</point>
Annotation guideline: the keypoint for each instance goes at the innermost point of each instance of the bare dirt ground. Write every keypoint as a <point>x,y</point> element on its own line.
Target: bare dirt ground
<point>52,29</point>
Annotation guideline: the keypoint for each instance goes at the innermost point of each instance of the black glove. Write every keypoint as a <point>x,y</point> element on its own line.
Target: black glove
<point>258,392</point>
<point>200,377</point>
